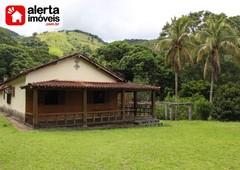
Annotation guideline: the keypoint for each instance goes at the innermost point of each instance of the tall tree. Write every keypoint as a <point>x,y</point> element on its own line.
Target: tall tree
<point>177,45</point>
<point>217,38</point>
<point>111,54</point>
<point>141,62</point>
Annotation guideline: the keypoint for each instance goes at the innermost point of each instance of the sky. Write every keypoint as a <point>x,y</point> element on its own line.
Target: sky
<point>113,20</point>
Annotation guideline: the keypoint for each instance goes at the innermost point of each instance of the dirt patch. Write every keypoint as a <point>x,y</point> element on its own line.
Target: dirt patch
<point>16,124</point>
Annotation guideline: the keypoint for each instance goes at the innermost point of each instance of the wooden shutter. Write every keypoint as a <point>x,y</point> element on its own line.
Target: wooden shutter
<point>13,91</point>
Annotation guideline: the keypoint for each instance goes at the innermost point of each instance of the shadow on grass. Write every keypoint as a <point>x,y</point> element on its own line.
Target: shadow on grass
<point>101,128</point>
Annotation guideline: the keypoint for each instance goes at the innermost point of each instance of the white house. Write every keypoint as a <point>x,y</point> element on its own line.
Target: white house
<point>73,90</point>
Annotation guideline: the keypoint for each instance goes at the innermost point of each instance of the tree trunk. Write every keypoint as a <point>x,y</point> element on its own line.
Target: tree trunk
<point>176,86</point>
<point>211,88</point>
<point>176,95</point>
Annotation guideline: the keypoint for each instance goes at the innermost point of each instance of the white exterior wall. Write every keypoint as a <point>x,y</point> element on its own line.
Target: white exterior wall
<point>64,70</point>
<point>19,101</point>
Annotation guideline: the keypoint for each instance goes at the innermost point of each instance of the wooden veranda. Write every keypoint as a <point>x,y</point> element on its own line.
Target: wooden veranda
<point>79,108</point>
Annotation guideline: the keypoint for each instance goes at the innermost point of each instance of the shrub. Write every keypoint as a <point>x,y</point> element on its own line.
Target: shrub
<point>227,103</point>
<point>194,87</point>
<point>202,108</point>
<point>160,111</point>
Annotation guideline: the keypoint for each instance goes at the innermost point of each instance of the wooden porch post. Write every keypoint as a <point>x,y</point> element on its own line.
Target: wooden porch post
<point>35,107</point>
<point>153,104</point>
<point>84,107</point>
<point>123,96</point>
<point>135,103</point>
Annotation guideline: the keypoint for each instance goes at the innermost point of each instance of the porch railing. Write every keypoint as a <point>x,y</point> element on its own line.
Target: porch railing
<point>93,117</point>
<point>140,111</point>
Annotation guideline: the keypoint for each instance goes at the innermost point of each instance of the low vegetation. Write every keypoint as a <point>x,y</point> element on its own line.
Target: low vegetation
<point>64,42</point>
<point>176,145</point>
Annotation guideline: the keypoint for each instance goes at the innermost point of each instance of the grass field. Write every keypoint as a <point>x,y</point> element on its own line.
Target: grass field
<point>176,145</point>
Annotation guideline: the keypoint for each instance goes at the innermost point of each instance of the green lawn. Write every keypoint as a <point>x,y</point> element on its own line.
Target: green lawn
<point>176,145</point>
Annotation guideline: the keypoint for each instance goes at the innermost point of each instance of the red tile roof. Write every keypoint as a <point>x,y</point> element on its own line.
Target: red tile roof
<point>89,85</point>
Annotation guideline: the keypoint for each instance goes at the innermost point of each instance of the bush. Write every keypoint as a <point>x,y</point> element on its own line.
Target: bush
<point>194,87</point>
<point>160,112</point>
<point>227,103</point>
<point>202,108</point>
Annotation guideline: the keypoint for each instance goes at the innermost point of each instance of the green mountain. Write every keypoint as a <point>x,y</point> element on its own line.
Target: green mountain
<point>64,42</point>
<point>10,32</point>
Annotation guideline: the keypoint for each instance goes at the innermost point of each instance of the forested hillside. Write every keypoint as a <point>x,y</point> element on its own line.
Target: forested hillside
<point>147,43</point>
<point>18,53</point>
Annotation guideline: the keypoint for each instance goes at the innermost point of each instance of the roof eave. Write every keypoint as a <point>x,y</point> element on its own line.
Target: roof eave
<point>113,86</point>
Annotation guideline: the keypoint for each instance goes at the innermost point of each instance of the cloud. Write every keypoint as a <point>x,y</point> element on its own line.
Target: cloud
<point>133,19</point>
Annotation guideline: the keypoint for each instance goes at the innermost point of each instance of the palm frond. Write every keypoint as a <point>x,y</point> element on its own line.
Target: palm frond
<point>163,44</point>
<point>170,55</point>
<point>203,50</point>
<point>201,36</point>
<point>230,48</point>
<point>206,67</point>
<point>188,55</point>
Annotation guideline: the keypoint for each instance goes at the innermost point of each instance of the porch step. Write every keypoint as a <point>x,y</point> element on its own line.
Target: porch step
<point>148,122</point>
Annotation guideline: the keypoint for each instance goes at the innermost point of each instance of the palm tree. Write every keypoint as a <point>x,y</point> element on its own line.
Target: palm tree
<point>218,39</point>
<point>177,46</point>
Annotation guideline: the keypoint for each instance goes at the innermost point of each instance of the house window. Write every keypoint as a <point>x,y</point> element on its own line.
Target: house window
<point>9,96</point>
<point>8,93</point>
<point>98,97</point>
<point>51,97</point>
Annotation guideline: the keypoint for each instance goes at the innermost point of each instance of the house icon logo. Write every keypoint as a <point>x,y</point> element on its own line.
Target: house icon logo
<point>15,15</point>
